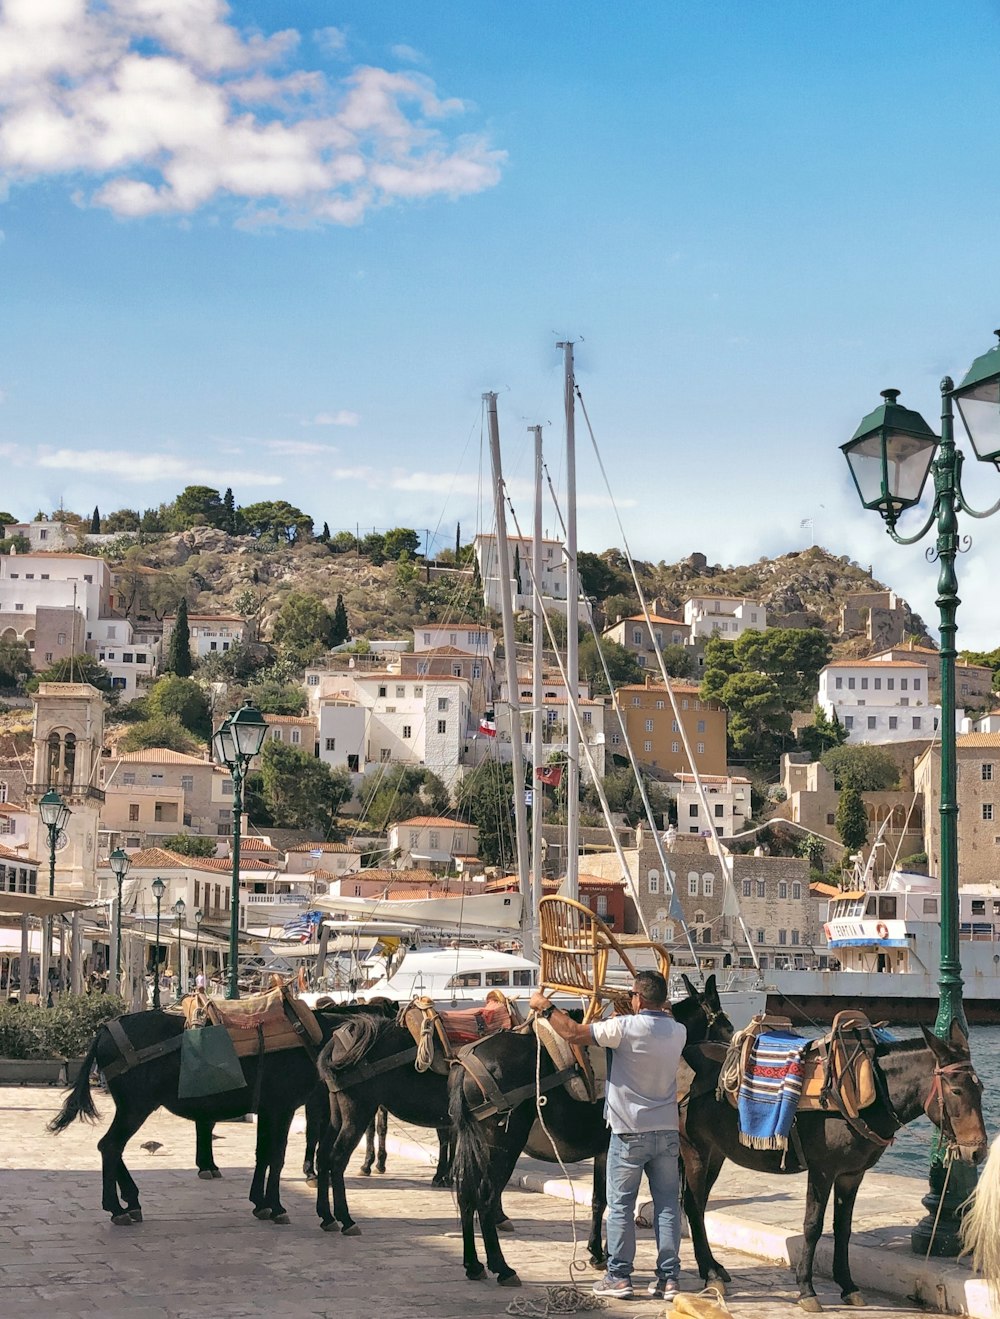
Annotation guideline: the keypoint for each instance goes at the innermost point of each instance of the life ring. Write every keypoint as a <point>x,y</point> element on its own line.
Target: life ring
<point>882,930</point>
<point>826,931</point>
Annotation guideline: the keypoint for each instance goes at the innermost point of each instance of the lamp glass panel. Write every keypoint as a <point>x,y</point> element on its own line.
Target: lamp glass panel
<point>980,409</point>
<point>908,460</point>
<point>865,459</point>
<point>120,862</point>
<point>49,808</point>
<point>225,745</point>
<point>250,730</point>
<point>63,816</point>
<point>158,886</point>
<point>179,907</point>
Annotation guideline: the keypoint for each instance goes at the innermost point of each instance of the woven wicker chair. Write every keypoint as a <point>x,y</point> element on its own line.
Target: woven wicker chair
<point>575,948</point>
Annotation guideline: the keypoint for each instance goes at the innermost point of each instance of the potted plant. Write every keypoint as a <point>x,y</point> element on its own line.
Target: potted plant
<point>45,1046</point>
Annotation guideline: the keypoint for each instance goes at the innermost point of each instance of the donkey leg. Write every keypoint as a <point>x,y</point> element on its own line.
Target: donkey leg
<point>113,1171</point>
<point>701,1168</point>
<point>204,1155</point>
<point>817,1196</point>
<point>381,1131</point>
<point>277,1148</point>
<point>501,1166</point>
<point>317,1108</point>
<point>323,1153</point>
<point>474,1270</point>
<point>442,1173</point>
<point>598,1204</point>
<point>366,1168</point>
<point>353,1118</point>
<point>258,1184</point>
<point>845,1190</point>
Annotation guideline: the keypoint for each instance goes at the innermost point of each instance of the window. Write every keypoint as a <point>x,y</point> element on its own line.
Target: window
<point>708,884</point>
<point>747,887</point>
<point>407,732</point>
<point>838,683</point>
<point>831,817</point>
<point>434,839</point>
<point>890,684</point>
<point>760,936</point>
<point>782,936</point>
<point>427,638</point>
<point>986,773</point>
<point>382,691</point>
<point>903,684</point>
<point>675,747</point>
<point>637,636</point>
<point>795,938</point>
<point>442,703</point>
<point>987,810</point>
<point>699,748</point>
<point>761,888</point>
<point>616,740</point>
<point>878,684</point>
<point>654,933</point>
<point>675,726</point>
<point>312,680</point>
<point>649,725</point>
<point>400,691</point>
<point>693,811</point>
<point>331,744</point>
<point>442,726</point>
<point>653,879</point>
<point>296,736</point>
<point>904,700</point>
<point>477,670</point>
<point>701,725</point>
<point>864,684</point>
<point>893,722</point>
<point>385,755</point>
<point>133,810</point>
<point>693,885</point>
<point>227,787</point>
<point>930,906</point>
<point>916,721</point>
<point>187,782</point>
<point>719,812</point>
<point>916,684</point>
<point>848,721</point>
<point>647,746</point>
<point>660,705</point>
<point>871,721</point>
<point>275,734</point>
<point>782,888</point>
<point>850,684</point>
<point>635,702</point>
<point>419,691</point>
<point>797,891</point>
<point>48,656</point>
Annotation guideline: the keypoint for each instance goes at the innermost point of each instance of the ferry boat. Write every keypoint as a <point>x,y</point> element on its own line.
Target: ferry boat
<point>887,942</point>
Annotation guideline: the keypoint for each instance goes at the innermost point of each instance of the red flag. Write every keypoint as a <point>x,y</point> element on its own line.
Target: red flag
<point>550,774</point>
<point>488,724</point>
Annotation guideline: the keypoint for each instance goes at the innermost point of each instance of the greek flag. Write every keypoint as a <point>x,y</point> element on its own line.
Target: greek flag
<point>302,927</point>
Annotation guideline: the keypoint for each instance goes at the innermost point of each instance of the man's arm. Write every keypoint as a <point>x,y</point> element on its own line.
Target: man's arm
<point>561,1022</point>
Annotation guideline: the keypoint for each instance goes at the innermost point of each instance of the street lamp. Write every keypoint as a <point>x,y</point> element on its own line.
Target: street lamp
<point>179,906</point>
<point>55,813</point>
<point>199,916</point>
<point>890,455</point>
<point>158,888</point>
<point>238,739</point>
<point>119,863</point>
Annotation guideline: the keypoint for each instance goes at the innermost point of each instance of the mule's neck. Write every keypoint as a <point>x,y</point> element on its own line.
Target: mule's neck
<point>908,1075</point>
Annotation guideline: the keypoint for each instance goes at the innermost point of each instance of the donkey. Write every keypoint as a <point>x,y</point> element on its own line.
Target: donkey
<point>931,1076</point>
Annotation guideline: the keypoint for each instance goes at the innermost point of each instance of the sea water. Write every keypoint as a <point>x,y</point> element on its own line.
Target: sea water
<point>910,1153</point>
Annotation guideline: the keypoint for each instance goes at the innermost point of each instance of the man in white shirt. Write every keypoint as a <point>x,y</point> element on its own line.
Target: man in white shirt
<point>641,1109</point>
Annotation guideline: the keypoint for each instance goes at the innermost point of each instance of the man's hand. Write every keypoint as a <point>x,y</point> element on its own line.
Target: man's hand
<point>539,1001</point>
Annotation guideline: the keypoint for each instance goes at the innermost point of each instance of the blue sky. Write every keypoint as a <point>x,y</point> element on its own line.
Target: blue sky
<point>290,257</point>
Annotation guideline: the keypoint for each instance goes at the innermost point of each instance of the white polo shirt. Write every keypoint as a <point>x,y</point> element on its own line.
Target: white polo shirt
<point>641,1092</point>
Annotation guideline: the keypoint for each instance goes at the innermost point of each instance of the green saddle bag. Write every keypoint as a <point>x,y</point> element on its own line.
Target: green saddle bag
<point>209,1065</point>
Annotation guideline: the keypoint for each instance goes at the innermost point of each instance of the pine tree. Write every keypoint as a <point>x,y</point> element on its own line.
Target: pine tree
<point>340,631</point>
<point>179,650</point>
<point>95,522</point>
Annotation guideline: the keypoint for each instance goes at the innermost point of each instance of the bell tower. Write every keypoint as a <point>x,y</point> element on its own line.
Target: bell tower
<point>67,737</point>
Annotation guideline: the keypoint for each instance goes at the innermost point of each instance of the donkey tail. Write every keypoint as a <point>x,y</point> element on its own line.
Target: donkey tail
<point>471,1158</point>
<point>979,1226</point>
<point>79,1102</point>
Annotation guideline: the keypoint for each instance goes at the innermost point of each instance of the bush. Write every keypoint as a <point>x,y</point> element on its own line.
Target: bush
<point>65,1031</point>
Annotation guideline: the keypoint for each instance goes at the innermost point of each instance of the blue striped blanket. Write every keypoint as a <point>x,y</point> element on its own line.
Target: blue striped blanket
<point>770,1089</point>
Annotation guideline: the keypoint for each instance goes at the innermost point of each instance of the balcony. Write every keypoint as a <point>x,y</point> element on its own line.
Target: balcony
<point>70,793</point>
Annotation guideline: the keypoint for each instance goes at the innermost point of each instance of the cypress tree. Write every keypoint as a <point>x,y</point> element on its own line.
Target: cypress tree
<point>95,522</point>
<point>179,651</point>
<point>458,542</point>
<point>517,568</point>
<point>340,629</point>
<point>325,534</point>
<point>229,511</point>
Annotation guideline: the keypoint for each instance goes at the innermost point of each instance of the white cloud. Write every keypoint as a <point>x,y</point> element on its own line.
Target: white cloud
<point>466,484</point>
<point>408,54</point>
<point>135,468</point>
<point>331,40</point>
<point>167,106</point>
<point>344,417</point>
<point>298,448</point>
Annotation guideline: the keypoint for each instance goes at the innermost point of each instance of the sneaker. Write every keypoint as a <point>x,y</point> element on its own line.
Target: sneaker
<point>664,1288</point>
<point>620,1287</point>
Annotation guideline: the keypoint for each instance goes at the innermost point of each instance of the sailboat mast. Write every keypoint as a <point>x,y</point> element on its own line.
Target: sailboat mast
<point>571,888</point>
<point>510,663</point>
<point>537,686</point>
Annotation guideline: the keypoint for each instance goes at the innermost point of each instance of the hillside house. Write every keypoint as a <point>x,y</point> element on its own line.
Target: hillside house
<point>879,701</point>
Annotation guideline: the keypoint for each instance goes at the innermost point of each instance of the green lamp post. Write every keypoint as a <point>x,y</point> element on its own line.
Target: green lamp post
<point>54,814</point>
<point>236,742</point>
<point>199,916</point>
<point>890,455</point>
<point>119,863</point>
<point>179,908</point>
<point>159,889</point>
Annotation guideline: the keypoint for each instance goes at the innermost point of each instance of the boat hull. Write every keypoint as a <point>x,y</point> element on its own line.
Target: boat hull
<point>900,1000</point>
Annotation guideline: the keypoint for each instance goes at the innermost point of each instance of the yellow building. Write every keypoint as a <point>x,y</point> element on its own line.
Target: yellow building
<point>654,730</point>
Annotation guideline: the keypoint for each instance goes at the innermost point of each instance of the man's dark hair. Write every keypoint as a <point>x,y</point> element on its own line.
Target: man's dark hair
<point>651,987</point>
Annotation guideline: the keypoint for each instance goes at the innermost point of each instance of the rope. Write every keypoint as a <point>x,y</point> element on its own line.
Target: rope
<point>949,1160</point>
<point>425,1045</point>
<point>558,1300</point>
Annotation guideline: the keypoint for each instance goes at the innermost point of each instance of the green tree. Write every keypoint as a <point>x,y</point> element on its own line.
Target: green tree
<point>18,543</point>
<point>175,697</point>
<point>324,535</point>
<point>7,519</point>
<point>122,519</point>
<point>76,668</point>
<point>229,513</point>
<point>851,820</point>
<point>277,520</point>
<point>190,845</point>
<point>301,792</point>
<point>517,569</point>
<point>343,542</point>
<point>792,656</point>
<point>340,629</point>
<point>624,797</point>
<point>165,731</point>
<point>195,506</point>
<point>373,547</point>
<point>758,719</point>
<point>813,849</point>
<point>485,798</point>
<point>622,665</point>
<point>400,793</point>
<point>95,522</point>
<point>154,520</point>
<point>863,768</point>
<point>678,661</point>
<point>179,659</point>
<point>15,663</point>
<point>599,578</point>
<point>823,733</point>
<point>303,628</point>
<point>274,697</point>
<point>400,540</point>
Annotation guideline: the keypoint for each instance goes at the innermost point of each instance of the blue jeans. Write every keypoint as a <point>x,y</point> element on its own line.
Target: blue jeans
<point>654,1153</point>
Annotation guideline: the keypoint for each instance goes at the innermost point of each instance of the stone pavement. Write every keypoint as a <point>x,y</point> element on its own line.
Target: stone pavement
<point>200,1255</point>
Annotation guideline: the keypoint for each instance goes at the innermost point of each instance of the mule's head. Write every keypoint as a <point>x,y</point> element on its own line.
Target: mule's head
<point>701,1012</point>
<point>954,1098</point>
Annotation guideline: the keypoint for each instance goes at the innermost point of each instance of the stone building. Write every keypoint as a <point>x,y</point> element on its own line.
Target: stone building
<point>978,795</point>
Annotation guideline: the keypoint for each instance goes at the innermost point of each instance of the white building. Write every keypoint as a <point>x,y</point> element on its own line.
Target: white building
<point>323,859</point>
<point>519,551</point>
<point>470,638</point>
<point>880,700</point>
<point>729,616</point>
<point>132,664</point>
<point>728,801</point>
<point>343,734</point>
<point>211,634</point>
<point>45,535</point>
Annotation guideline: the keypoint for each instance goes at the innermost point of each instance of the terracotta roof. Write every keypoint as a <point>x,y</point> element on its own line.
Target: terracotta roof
<point>411,895</point>
<point>441,650</point>
<point>431,822</point>
<point>712,778</point>
<point>658,687</point>
<point>389,877</point>
<point>873,664</point>
<point>253,844</point>
<point>158,756</point>
<point>407,677</point>
<point>159,858</point>
<point>289,719</point>
<point>653,618</point>
<point>978,740</point>
<point>323,847</point>
<point>7,855</point>
<point>11,808</point>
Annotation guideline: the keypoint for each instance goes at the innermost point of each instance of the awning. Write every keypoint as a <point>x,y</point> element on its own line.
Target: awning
<point>33,904</point>
<point>437,858</point>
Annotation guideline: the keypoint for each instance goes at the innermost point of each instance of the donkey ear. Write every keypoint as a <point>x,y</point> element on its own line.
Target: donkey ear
<point>710,990</point>
<point>958,1039</point>
<point>692,992</point>
<point>939,1048</point>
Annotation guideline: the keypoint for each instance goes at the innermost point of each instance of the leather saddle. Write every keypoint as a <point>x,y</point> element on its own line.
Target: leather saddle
<point>587,1084</point>
<point>439,1035</point>
<point>261,1023</point>
<point>838,1069</point>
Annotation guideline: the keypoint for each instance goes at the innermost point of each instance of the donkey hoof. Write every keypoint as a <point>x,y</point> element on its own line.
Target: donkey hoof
<point>810,1303</point>
<point>281,1219</point>
<point>855,1298</point>
<point>380,1167</point>
<point>352,1230</point>
<point>504,1225</point>
<point>330,1225</point>
<point>262,1214</point>
<point>135,1214</point>
<point>364,1172</point>
<point>206,1174</point>
<point>122,1220</point>
<point>508,1280</point>
<point>312,1181</point>
<point>476,1273</point>
<point>216,1175</point>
